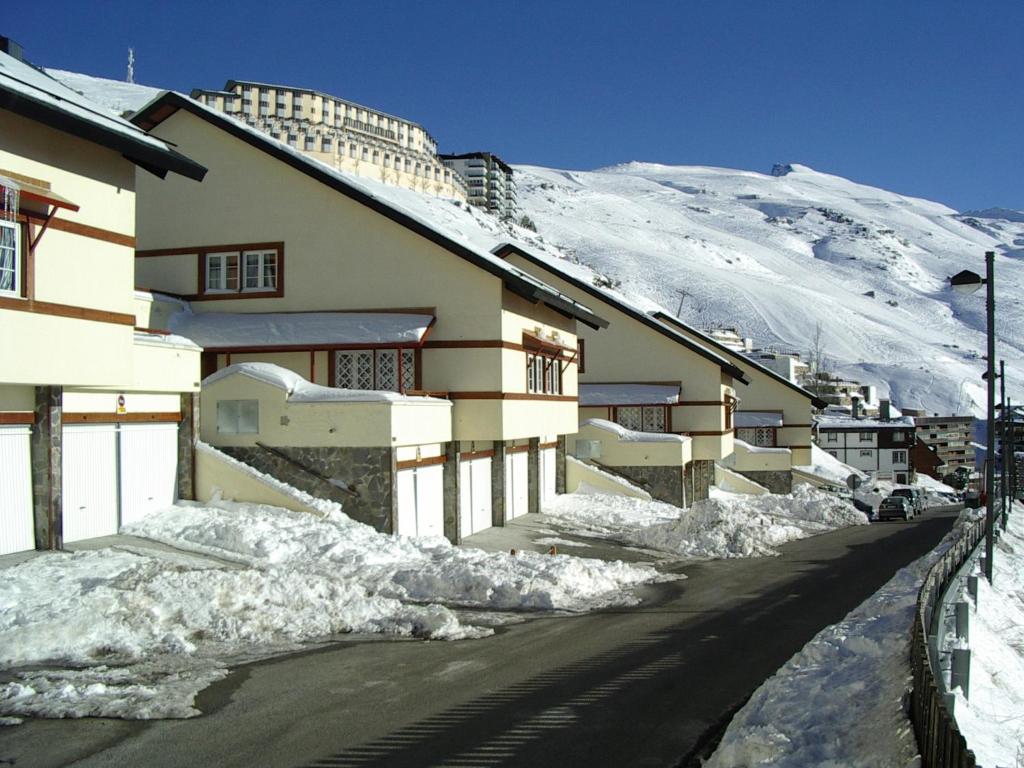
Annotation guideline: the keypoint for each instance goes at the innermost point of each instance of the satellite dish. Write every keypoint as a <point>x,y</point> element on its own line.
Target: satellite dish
<point>853,482</point>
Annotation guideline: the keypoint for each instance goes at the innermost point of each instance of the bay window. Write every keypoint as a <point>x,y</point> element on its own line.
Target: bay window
<point>642,418</point>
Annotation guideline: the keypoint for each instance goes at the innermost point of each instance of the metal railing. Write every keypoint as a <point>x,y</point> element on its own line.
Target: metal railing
<point>939,739</point>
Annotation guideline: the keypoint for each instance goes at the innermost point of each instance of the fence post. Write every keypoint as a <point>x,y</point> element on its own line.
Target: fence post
<point>961,674</point>
<point>962,619</point>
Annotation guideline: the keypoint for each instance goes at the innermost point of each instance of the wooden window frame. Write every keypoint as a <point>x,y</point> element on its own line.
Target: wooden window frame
<point>20,260</point>
<point>332,367</point>
<point>550,373</point>
<point>203,252</point>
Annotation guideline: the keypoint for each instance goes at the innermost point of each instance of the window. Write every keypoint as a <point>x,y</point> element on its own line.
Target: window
<point>229,103</point>
<point>376,157</point>
<point>899,457</point>
<point>387,160</point>
<point>325,144</point>
<point>238,417</point>
<point>831,437</point>
<point>897,437</point>
<point>866,437</point>
<point>642,418</point>
<point>310,143</point>
<point>543,374</point>
<point>221,272</point>
<point>260,270</point>
<point>762,437</point>
<point>10,258</point>
<point>352,150</point>
<point>365,153</point>
<point>391,370</point>
<point>866,452</point>
<point>293,139</point>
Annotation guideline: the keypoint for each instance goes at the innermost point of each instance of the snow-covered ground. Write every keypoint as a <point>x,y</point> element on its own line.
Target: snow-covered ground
<point>726,525</point>
<point>137,633</point>
<point>842,700</point>
<point>992,718</point>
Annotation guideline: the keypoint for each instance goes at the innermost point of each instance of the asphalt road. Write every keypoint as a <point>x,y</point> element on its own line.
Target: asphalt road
<point>643,686</point>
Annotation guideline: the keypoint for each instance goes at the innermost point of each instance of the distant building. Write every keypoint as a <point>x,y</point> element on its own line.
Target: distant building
<point>951,437</point>
<point>880,445</point>
<point>489,181</point>
<point>730,337</point>
<point>786,364</point>
<point>345,135</point>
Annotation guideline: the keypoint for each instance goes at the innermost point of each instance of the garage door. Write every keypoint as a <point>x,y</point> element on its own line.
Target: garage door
<point>421,501</point>
<point>16,534</point>
<point>475,495</point>
<point>116,474</point>
<point>516,488</point>
<point>547,475</point>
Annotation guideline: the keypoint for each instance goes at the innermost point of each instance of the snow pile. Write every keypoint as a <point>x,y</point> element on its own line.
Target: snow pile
<point>825,465</point>
<point>992,719</point>
<point>727,525</point>
<point>138,634</point>
<point>840,701</point>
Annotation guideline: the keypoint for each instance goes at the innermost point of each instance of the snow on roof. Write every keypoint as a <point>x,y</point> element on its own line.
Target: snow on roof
<point>165,340</point>
<point>835,421</point>
<point>115,95</point>
<point>415,210</point>
<point>299,390</point>
<point>757,419</point>
<point>627,394</point>
<point>215,330</point>
<point>760,448</point>
<point>630,436</point>
<point>35,94</point>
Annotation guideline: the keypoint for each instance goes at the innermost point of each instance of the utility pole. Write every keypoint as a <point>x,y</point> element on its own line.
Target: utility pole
<point>990,438</point>
<point>682,297</point>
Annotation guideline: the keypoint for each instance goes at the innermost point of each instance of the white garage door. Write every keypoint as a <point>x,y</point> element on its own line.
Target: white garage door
<point>149,468</point>
<point>421,501</point>
<point>89,481</point>
<point>16,528</point>
<point>475,495</point>
<point>115,474</point>
<point>547,475</point>
<point>516,488</point>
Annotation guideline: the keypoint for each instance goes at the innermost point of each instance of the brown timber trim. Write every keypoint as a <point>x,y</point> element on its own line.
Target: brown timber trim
<point>154,331</point>
<point>535,343</point>
<point>120,418</point>
<point>413,463</point>
<point>65,310</point>
<point>707,433</point>
<point>14,417</point>
<point>517,449</point>
<point>796,426</point>
<point>545,446</point>
<point>200,252</point>
<point>701,402</point>
<point>470,455</point>
<point>564,353</point>
<point>75,228</point>
<point>796,447</point>
<point>510,396</point>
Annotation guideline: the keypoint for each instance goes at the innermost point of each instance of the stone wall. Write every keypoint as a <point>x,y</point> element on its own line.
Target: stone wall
<point>188,429</point>
<point>663,483</point>
<point>45,446</point>
<point>776,481</point>
<point>368,471</point>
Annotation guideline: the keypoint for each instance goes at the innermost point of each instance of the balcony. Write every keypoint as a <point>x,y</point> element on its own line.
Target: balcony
<point>373,130</point>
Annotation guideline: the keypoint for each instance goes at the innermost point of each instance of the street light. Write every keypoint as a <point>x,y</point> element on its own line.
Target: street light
<point>969,282</point>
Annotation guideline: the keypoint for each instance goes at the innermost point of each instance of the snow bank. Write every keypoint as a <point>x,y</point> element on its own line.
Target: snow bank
<point>828,467</point>
<point>840,701</point>
<point>728,525</point>
<point>992,719</point>
<point>129,634</point>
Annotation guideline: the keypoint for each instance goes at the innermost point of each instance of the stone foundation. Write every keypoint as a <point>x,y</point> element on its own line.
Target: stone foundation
<point>776,481</point>
<point>188,429</point>
<point>560,453</point>
<point>452,494</point>
<point>498,485</point>
<point>369,471</point>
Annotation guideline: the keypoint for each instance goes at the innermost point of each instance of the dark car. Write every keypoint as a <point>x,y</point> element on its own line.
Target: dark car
<point>895,507</point>
<point>864,507</point>
<point>914,495</point>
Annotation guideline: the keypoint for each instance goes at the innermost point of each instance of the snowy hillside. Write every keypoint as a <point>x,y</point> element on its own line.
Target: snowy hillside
<point>775,255</point>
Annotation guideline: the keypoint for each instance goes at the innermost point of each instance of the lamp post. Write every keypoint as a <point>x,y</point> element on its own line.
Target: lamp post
<point>969,282</point>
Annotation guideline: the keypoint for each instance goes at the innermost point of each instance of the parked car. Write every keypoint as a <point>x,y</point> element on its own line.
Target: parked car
<point>914,495</point>
<point>864,507</point>
<point>898,507</point>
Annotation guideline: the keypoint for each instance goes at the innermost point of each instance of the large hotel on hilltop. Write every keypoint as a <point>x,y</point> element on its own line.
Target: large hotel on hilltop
<point>354,138</point>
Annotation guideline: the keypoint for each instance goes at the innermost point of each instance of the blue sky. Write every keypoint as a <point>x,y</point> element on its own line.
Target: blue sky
<point>920,97</point>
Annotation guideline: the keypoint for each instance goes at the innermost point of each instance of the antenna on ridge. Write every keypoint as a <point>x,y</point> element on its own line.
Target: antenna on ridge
<point>131,66</point>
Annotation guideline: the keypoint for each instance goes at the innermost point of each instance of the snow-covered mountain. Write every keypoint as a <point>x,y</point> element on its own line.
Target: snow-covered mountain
<point>775,255</point>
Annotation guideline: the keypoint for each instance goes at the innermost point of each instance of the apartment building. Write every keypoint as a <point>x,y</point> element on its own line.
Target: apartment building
<point>345,135</point>
<point>490,182</point>
<point>880,445</point>
<point>951,438</point>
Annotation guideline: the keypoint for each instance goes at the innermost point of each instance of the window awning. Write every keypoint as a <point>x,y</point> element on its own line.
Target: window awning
<point>628,394</point>
<point>302,330</point>
<point>747,419</point>
<point>35,189</point>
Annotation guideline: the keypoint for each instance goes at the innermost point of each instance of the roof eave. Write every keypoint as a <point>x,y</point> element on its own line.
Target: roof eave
<point>137,152</point>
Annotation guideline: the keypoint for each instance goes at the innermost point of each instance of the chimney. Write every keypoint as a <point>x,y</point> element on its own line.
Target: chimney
<point>855,407</point>
<point>883,409</point>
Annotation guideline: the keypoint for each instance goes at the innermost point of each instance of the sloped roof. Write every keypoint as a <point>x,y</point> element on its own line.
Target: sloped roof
<point>625,307</point>
<point>33,94</point>
<point>515,280</point>
<point>816,401</point>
